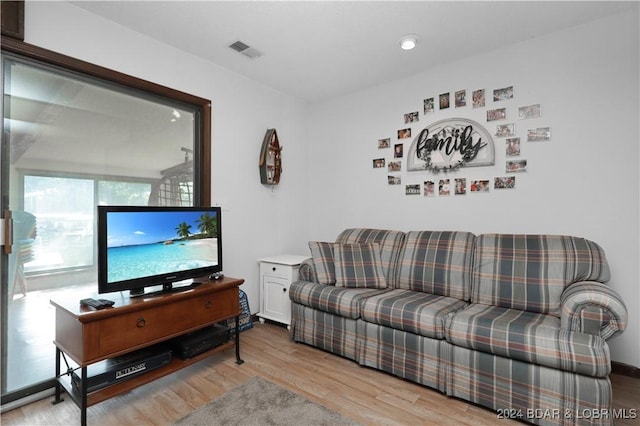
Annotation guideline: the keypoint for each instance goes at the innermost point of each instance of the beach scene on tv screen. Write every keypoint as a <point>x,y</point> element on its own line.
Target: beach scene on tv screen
<point>142,244</point>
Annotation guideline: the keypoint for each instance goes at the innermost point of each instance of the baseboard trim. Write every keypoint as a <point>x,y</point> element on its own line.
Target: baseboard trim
<point>625,370</point>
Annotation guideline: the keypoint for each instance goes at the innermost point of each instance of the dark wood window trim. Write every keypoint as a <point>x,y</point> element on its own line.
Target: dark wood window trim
<point>202,105</point>
<point>12,18</point>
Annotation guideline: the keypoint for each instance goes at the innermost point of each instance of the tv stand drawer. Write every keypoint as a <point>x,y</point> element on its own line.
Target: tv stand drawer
<point>141,328</point>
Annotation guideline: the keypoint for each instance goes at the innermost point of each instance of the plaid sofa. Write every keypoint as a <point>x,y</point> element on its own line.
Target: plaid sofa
<point>516,323</point>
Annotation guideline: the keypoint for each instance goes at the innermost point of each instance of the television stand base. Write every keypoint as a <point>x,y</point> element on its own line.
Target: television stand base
<point>166,289</point>
<point>137,324</point>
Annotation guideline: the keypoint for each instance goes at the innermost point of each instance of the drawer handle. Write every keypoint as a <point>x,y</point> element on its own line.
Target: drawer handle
<point>207,304</point>
<point>141,322</point>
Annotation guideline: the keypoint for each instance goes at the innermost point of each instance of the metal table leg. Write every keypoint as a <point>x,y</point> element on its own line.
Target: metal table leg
<point>83,402</point>
<point>238,359</point>
<point>58,398</point>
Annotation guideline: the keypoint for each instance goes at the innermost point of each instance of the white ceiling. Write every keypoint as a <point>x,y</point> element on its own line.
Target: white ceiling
<point>317,50</point>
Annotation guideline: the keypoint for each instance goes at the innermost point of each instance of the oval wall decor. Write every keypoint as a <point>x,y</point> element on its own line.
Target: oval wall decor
<point>449,144</point>
<point>270,162</point>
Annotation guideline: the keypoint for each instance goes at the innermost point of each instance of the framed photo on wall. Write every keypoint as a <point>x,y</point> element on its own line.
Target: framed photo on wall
<point>444,100</point>
<point>506,182</point>
<point>411,117</point>
<point>384,143</point>
<point>505,130</point>
<point>429,106</point>
<point>404,133</point>
<point>513,147</point>
<point>539,134</point>
<point>503,94</point>
<point>529,111</point>
<point>478,98</point>
<point>461,98</point>
<point>496,114</point>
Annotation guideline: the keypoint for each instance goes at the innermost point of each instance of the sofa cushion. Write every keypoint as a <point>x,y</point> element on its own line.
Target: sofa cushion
<point>340,301</point>
<point>437,262</point>
<point>412,311</point>
<point>323,261</point>
<point>528,336</point>
<point>359,266</point>
<point>390,243</point>
<point>530,272</point>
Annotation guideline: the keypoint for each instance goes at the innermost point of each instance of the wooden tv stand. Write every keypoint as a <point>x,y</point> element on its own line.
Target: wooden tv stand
<point>88,336</point>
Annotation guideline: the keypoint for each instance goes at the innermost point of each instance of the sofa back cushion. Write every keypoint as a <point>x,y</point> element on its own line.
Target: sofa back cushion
<point>437,262</point>
<point>359,266</point>
<point>530,272</point>
<point>323,262</point>
<point>389,241</point>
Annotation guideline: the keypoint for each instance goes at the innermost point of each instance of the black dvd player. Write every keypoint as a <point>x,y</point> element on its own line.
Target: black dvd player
<point>115,370</point>
<point>192,344</point>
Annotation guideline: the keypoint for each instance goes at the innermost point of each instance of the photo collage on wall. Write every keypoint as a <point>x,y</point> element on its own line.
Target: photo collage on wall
<point>500,121</point>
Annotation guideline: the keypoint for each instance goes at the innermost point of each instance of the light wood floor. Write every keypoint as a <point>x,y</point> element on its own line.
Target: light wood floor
<point>362,394</point>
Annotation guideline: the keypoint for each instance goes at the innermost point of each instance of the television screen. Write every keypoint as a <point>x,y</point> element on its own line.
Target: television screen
<point>145,246</point>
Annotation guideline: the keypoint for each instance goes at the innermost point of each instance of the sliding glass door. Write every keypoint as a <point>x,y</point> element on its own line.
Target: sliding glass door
<point>71,142</point>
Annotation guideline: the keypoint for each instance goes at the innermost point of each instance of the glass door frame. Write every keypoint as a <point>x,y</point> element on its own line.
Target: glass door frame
<point>201,157</point>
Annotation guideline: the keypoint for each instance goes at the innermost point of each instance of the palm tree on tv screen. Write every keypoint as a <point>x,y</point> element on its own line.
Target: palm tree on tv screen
<point>207,225</point>
<point>183,230</point>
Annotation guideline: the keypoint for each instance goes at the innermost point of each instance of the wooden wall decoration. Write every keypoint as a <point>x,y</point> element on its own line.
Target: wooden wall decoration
<point>449,144</point>
<point>270,159</point>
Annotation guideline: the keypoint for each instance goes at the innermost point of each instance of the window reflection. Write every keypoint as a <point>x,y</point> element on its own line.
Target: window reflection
<point>71,143</point>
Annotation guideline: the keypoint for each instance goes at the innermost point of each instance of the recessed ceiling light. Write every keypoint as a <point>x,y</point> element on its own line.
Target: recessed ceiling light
<point>408,42</point>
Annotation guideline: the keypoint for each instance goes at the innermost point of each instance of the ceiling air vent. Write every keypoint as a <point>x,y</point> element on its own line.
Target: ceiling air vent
<point>245,49</point>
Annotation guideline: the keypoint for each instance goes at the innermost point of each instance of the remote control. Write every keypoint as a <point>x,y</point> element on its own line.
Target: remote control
<point>97,303</point>
<point>216,276</point>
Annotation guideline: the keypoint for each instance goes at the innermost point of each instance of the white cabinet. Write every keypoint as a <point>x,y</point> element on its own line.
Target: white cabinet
<point>276,275</point>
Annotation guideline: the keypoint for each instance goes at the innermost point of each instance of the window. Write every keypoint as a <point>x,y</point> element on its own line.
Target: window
<point>76,135</point>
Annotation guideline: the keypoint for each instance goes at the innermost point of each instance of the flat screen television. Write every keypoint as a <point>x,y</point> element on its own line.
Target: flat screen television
<point>141,247</point>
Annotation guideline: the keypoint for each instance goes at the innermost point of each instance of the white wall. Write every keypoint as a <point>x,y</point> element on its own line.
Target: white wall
<point>583,182</point>
<point>259,221</point>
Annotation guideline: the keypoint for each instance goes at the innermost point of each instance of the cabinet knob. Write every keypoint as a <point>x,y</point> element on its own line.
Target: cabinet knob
<point>141,322</point>
<point>207,304</point>
<point>284,290</point>
<point>273,269</point>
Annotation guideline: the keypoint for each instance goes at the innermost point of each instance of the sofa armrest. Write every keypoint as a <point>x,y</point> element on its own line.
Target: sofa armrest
<point>594,308</point>
<point>307,271</point>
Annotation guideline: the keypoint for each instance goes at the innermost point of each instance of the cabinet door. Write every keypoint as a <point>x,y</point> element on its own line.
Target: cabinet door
<point>276,298</point>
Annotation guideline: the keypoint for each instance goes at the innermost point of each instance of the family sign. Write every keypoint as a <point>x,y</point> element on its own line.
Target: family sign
<point>449,144</point>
